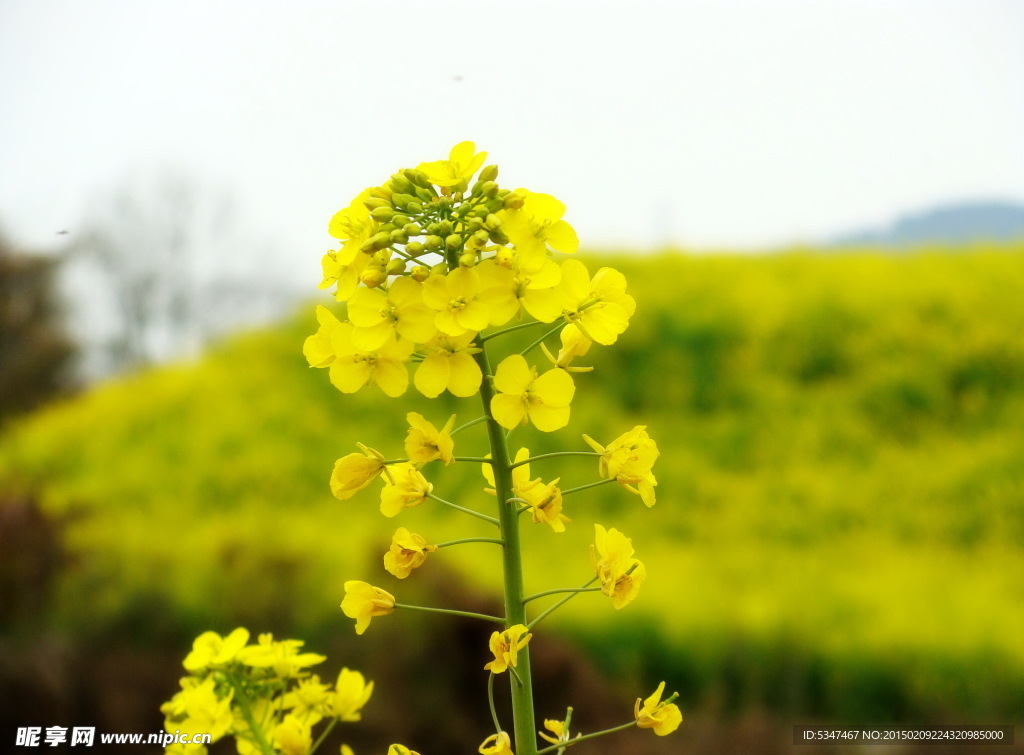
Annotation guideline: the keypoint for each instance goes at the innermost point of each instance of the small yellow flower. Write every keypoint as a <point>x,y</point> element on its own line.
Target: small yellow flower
<point>293,736</point>
<point>351,693</point>
<point>197,708</point>
<point>353,368</point>
<point>574,344</point>
<point>629,460</point>
<point>497,744</point>
<point>448,363</point>
<point>612,556</point>
<point>283,657</point>
<point>545,502</point>
<point>559,734</point>
<point>463,161</point>
<point>308,701</point>
<point>363,601</point>
<point>319,347</point>
<point>406,488</point>
<point>459,301</point>
<point>523,396</point>
<point>424,442</point>
<point>506,646</point>
<point>408,551</point>
<point>210,649</point>
<point>401,750</point>
<point>537,225</point>
<point>600,308</point>
<point>382,316</point>
<point>354,472</point>
<point>663,717</point>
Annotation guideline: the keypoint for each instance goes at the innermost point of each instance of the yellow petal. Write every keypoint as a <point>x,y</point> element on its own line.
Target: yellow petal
<point>508,410</point>
<point>432,375</point>
<point>513,375</point>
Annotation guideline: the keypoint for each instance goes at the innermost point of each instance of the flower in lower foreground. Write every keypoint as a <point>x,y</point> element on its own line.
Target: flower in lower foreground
<point>663,717</point>
<point>506,646</point>
<point>351,693</point>
<point>557,728</point>
<point>497,744</point>
<point>363,601</point>
<point>292,736</point>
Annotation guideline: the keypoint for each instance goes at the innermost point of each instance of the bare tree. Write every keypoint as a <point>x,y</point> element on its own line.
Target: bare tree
<point>162,263</point>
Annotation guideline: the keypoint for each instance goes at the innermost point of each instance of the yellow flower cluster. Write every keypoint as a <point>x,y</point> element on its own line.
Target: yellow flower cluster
<point>260,693</point>
<point>427,262</point>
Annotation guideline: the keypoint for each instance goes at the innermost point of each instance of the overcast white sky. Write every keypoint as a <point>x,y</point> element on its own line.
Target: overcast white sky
<point>707,124</point>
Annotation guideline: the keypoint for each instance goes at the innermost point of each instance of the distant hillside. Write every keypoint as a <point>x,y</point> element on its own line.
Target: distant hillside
<point>957,223</point>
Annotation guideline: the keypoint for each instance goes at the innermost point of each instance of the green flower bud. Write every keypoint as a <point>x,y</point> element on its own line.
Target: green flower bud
<point>414,208</point>
<point>481,237</point>
<point>413,229</point>
<point>395,267</point>
<point>434,229</point>
<point>387,228</point>
<point>489,173</point>
<point>367,246</point>
<point>453,241</point>
<point>513,200</point>
<point>398,236</point>
<point>444,228</point>
<point>416,176</point>
<point>467,260</point>
<point>444,202</point>
<point>401,201</point>
<point>492,222</point>
<point>373,276</point>
<point>439,269</point>
<point>380,240</point>
<point>415,248</point>
<point>498,236</point>
<point>383,214</point>
<point>425,195</point>
<point>420,273</point>
<point>400,183</point>
<point>381,193</point>
<point>374,202</point>
<point>489,189</point>
<point>474,224</point>
<point>494,204</point>
<point>400,220</point>
<point>433,242</point>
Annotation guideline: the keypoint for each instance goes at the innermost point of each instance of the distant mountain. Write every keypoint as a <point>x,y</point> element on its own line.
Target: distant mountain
<point>951,223</point>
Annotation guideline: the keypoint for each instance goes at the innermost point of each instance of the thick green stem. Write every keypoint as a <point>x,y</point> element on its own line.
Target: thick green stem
<point>512,562</point>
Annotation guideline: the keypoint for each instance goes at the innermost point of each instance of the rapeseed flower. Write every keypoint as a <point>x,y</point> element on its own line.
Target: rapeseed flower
<point>355,471</point>
<point>351,693</point>
<point>463,161</point>
<point>559,734</point>
<point>523,396</point>
<point>511,289</point>
<point>382,316</point>
<point>458,300</point>
<point>283,657</point>
<point>309,700</point>
<point>352,367</point>
<point>408,551</point>
<point>424,442</point>
<point>448,364</point>
<point>600,308</point>
<point>574,344</point>
<point>545,502</point>
<point>293,736</point>
<point>663,717</point>
<point>210,649</point>
<point>496,744</point>
<point>506,646</point>
<point>536,225</point>
<point>406,488</point>
<point>319,347</point>
<point>629,460</point>
<point>198,708</point>
<point>620,574</point>
<point>363,601</point>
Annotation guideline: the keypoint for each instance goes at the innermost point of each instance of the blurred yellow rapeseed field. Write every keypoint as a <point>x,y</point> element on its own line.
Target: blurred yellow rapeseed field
<point>840,511</point>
